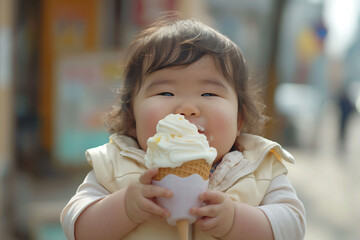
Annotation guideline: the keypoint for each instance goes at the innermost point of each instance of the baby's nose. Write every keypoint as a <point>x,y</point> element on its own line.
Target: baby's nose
<point>188,109</point>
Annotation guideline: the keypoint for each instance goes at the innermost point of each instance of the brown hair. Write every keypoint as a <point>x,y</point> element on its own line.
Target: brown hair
<point>173,41</point>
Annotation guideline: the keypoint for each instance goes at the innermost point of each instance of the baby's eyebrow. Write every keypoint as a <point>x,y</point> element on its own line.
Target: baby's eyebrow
<point>155,83</point>
<point>215,82</point>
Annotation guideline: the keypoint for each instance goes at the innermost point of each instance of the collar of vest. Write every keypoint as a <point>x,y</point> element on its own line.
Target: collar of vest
<point>252,152</point>
<point>128,147</point>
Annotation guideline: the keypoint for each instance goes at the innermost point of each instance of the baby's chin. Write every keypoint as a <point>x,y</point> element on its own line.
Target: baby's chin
<point>143,145</point>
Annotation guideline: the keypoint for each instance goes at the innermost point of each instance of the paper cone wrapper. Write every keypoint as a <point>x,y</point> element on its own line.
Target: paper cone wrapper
<point>200,167</point>
<point>186,193</point>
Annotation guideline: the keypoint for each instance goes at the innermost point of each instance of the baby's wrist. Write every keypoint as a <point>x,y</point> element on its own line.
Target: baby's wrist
<point>231,224</point>
<point>127,209</point>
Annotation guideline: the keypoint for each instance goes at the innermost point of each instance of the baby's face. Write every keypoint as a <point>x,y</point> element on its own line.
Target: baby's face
<point>197,91</point>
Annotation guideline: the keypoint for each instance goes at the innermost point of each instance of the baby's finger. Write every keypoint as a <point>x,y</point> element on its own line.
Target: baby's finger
<point>213,197</point>
<point>147,176</point>
<point>152,208</point>
<point>206,211</point>
<point>151,191</point>
<point>207,224</point>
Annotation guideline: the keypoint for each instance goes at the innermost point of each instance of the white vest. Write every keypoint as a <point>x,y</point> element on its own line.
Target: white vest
<point>244,176</point>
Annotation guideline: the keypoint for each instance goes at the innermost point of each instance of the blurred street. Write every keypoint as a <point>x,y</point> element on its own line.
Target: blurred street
<point>326,180</point>
<point>61,67</point>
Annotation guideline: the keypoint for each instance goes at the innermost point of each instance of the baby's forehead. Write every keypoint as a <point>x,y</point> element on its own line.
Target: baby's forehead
<point>201,73</point>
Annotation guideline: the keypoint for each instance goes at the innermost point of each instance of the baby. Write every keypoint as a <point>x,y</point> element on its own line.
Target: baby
<point>182,66</point>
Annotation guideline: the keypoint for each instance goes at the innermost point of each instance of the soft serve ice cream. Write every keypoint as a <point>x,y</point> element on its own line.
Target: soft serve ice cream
<point>177,141</point>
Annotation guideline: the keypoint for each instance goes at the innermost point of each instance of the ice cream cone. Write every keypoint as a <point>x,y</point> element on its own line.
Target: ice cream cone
<point>184,159</point>
<point>183,229</point>
<point>200,167</point>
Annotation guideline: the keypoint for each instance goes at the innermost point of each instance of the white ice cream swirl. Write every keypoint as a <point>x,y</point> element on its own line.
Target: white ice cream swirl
<point>177,141</point>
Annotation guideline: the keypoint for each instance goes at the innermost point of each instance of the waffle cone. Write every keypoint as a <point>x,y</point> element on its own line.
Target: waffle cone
<point>200,167</point>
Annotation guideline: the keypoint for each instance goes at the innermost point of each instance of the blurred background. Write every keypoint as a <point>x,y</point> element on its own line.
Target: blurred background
<point>60,61</point>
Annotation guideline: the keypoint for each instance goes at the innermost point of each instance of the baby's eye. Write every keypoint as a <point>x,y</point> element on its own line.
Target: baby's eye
<point>166,94</point>
<point>208,95</point>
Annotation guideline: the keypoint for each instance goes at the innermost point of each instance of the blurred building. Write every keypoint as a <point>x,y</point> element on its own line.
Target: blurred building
<point>60,62</point>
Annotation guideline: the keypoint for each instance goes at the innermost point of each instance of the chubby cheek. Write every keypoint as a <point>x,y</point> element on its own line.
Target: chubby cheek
<point>223,135</point>
<point>144,130</point>
<point>146,121</point>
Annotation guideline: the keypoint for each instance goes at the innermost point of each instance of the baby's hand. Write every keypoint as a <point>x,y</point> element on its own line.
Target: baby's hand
<point>139,199</point>
<point>217,216</point>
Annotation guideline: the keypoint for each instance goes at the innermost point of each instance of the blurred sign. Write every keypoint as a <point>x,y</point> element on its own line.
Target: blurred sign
<point>83,93</point>
<point>67,27</point>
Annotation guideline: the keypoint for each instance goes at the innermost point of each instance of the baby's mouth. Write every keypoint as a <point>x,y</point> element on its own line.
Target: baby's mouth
<point>200,128</point>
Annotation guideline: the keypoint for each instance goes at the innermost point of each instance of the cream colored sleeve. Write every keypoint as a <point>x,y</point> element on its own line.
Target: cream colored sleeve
<point>284,210</point>
<point>87,193</point>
